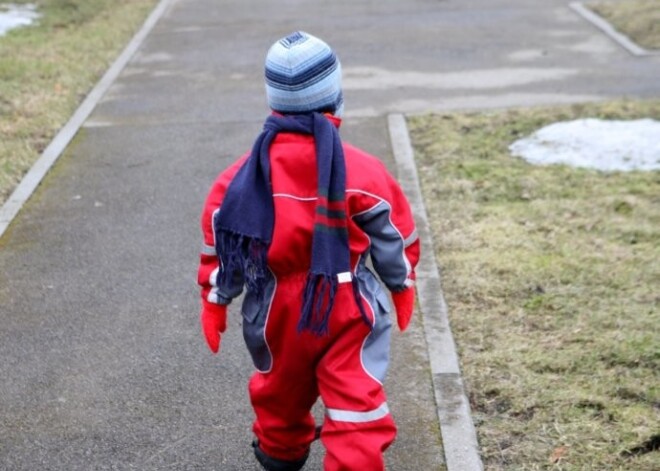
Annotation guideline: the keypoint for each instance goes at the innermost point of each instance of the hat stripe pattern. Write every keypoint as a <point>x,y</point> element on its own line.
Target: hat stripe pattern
<point>303,74</point>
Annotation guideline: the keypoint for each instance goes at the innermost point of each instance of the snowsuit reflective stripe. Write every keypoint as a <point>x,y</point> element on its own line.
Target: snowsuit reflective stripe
<point>347,367</point>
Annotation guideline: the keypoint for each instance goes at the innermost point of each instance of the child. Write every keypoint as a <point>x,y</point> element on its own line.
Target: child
<point>294,221</point>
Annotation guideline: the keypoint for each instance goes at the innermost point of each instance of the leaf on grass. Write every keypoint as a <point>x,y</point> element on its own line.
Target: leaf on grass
<point>558,454</point>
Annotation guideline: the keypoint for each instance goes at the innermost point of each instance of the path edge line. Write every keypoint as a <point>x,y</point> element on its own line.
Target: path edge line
<point>30,182</point>
<point>609,30</point>
<point>459,436</point>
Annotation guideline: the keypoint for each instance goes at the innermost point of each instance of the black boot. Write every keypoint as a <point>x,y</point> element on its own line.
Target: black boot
<point>273,464</point>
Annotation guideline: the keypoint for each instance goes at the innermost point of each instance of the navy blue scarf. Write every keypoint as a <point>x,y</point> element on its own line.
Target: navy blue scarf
<point>244,225</point>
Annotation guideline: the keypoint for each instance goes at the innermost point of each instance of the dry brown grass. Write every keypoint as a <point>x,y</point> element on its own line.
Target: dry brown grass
<point>46,71</point>
<point>551,275</point>
<point>637,19</point>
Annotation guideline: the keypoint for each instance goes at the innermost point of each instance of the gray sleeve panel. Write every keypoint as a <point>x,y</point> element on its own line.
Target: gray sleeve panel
<point>255,316</point>
<point>387,245</point>
<point>376,348</point>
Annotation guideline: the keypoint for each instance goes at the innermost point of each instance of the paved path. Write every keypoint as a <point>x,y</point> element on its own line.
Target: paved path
<point>103,366</point>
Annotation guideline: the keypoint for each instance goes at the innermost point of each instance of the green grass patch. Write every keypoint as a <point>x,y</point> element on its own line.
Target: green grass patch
<point>637,19</point>
<point>551,275</point>
<point>47,69</point>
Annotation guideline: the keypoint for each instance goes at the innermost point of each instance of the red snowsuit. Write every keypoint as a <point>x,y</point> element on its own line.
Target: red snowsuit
<point>346,368</point>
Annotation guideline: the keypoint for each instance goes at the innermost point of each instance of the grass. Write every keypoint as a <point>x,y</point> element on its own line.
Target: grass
<point>551,275</point>
<point>46,70</point>
<point>637,19</point>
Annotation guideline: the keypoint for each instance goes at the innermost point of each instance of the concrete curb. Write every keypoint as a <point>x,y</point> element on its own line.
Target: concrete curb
<point>459,437</point>
<point>35,175</point>
<point>600,23</point>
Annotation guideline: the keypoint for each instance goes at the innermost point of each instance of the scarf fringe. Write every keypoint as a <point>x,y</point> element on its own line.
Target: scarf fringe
<point>243,256</point>
<point>319,292</point>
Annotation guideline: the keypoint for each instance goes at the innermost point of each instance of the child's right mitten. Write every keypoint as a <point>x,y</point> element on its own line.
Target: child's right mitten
<point>214,322</point>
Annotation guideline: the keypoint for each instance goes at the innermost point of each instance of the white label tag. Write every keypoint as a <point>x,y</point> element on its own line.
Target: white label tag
<point>344,277</point>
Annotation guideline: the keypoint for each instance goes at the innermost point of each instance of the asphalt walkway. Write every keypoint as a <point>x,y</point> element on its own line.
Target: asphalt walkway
<point>103,365</point>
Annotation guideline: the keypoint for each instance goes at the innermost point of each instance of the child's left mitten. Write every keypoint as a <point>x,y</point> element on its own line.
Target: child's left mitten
<point>214,322</point>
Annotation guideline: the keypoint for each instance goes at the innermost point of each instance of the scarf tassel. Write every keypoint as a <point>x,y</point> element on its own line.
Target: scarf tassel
<point>318,299</point>
<point>245,257</point>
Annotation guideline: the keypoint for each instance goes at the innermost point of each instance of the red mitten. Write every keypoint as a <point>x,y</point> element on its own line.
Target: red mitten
<point>404,303</point>
<point>214,322</point>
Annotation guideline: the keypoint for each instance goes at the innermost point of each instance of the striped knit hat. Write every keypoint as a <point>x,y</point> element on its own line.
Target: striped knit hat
<point>303,74</point>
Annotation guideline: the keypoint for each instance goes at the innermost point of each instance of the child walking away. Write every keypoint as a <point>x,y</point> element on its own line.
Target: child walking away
<point>294,222</point>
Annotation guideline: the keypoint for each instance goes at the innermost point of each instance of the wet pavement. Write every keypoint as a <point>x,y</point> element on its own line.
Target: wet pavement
<point>103,364</point>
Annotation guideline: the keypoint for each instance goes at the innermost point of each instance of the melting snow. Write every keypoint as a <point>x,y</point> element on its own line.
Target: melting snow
<point>14,16</point>
<point>594,143</point>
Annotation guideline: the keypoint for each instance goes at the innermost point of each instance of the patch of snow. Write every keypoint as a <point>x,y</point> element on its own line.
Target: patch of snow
<point>14,16</point>
<point>594,143</point>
